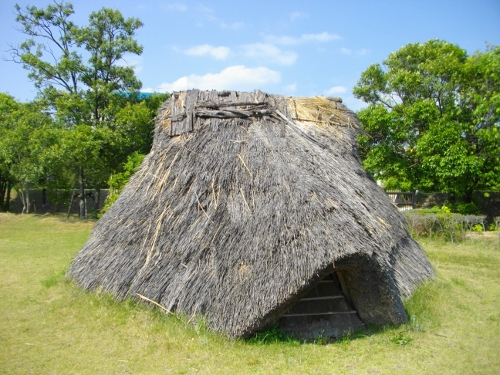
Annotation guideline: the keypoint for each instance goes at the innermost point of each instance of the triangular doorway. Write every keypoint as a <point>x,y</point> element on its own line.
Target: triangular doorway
<point>323,312</point>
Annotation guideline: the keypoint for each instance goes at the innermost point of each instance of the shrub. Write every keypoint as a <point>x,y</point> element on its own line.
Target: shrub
<point>466,208</point>
<point>461,208</point>
<point>439,223</point>
<point>477,228</point>
<point>118,181</point>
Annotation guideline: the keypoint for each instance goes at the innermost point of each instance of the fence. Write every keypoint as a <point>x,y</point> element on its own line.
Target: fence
<point>58,201</point>
<point>404,200</point>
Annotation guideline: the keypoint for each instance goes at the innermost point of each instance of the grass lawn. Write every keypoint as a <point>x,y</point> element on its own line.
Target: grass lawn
<point>49,326</point>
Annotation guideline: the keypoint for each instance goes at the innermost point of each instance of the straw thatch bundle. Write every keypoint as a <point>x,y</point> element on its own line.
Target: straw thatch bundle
<point>245,202</point>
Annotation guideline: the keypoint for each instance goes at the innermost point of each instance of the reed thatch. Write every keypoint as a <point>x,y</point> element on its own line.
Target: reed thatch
<point>245,202</point>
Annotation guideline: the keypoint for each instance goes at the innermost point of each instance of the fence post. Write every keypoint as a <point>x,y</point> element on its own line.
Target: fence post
<point>414,200</point>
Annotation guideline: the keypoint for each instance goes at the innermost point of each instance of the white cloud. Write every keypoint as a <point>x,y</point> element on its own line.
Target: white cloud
<point>297,15</point>
<point>359,52</point>
<point>304,38</point>
<point>206,12</point>
<point>362,52</point>
<point>291,88</point>
<point>219,53</point>
<point>323,37</point>
<point>232,26</point>
<point>236,77</point>
<point>283,40</point>
<point>335,90</point>
<point>269,52</point>
<point>180,7</point>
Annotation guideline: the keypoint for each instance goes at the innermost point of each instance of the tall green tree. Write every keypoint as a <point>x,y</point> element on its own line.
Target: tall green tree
<point>8,108</point>
<point>433,117</point>
<point>26,136</point>
<point>79,71</point>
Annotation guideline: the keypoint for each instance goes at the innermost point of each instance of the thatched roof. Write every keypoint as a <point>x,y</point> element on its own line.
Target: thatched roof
<point>244,203</point>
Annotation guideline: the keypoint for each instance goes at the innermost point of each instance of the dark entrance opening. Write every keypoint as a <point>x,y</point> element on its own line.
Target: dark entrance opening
<point>325,311</point>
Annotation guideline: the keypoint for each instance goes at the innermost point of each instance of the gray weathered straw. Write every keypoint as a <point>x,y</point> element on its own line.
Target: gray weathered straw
<point>245,202</point>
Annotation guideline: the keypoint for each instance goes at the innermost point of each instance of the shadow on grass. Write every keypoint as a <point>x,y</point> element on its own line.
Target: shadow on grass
<point>274,335</point>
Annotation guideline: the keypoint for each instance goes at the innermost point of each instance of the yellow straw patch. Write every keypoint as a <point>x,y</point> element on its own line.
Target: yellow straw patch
<point>317,109</point>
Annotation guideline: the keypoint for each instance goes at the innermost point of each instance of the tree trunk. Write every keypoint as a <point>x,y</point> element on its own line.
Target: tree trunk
<point>7,198</point>
<point>3,196</point>
<point>20,194</point>
<point>468,196</point>
<point>97,198</point>
<point>27,196</point>
<point>24,194</point>
<point>82,212</point>
<point>5,190</point>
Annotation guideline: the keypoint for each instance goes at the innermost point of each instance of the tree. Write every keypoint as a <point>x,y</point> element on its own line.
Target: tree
<point>118,181</point>
<point>8,106</point>
<point>25,130</point>
<point>135,122</point>
<point>433,119</point>
<point>81,93</point>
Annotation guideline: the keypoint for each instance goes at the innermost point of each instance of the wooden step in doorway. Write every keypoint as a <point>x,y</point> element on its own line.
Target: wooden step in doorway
<point>325,311</point>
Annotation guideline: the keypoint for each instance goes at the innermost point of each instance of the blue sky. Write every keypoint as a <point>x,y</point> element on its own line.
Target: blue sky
<point>296,48</point>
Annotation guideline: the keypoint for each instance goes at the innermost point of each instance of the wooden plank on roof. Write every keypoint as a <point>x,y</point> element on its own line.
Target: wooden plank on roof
<point>214,96</point>
<point>259,96</point>
<point>191,100</point>
<point>183,116</point>
<point>173,113</point>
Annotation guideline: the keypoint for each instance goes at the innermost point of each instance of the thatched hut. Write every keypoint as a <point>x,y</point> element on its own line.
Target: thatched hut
<point>253,209</point>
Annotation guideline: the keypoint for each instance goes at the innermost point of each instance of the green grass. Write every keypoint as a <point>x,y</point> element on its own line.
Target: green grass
<point>49,326</point>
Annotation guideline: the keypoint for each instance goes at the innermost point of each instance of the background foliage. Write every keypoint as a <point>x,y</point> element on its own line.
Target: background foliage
<point>88,97</point>
<point>433,119</point>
